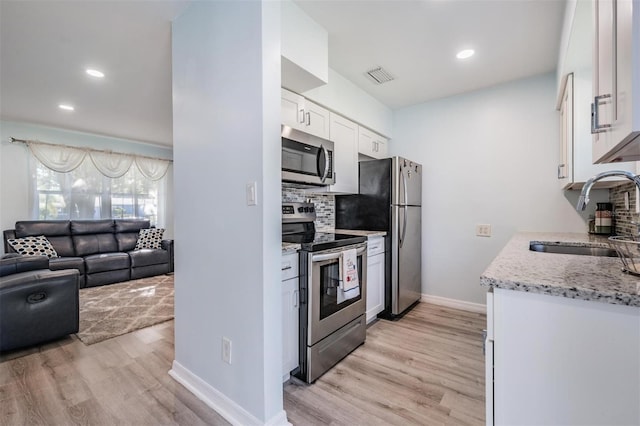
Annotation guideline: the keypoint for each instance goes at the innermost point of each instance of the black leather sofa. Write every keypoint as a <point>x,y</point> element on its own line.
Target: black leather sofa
<point>36,304</point>
<point>101,250</point>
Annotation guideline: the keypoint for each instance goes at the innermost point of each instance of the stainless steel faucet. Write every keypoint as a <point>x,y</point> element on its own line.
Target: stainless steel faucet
<point>584,196</point>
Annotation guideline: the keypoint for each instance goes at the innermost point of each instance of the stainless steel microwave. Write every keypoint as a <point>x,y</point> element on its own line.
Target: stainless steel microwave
<point>306,158</point>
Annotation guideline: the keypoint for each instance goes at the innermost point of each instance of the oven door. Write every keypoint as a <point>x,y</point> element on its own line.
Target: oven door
<point>327,311</point>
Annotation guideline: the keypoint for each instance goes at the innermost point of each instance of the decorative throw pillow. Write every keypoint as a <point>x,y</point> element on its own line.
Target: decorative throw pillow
<point>150,238</point>
<point>33,246</point>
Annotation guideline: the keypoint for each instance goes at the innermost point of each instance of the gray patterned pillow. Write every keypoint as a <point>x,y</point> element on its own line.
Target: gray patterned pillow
<point>33,246</point>
<point>149,238</point>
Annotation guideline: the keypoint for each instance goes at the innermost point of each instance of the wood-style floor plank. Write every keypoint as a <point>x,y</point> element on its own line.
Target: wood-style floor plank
<point>425,369</point>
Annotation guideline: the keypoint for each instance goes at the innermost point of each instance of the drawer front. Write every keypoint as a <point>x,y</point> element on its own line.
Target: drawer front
<point>375,245</point>
<point>289,266</point>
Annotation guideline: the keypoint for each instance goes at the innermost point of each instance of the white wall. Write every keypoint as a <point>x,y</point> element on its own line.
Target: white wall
<point>347,99</point>
<point>489,157</point>
<point>226,123</point>
<point>15,162</point>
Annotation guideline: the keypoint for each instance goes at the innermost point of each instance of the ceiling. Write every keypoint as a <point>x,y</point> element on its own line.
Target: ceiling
<point>45,47</point>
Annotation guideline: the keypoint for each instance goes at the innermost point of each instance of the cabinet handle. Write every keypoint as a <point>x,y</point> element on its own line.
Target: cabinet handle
<point>561,167</point>
<point>596,127</point>
<point>308,119</point>
<point>287,267</point>
<point>484,342</point>
<point>301,116</point>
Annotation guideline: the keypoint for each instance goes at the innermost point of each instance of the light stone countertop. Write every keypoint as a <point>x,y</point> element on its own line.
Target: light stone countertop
<point>592,278</point>
<point>290,248</point>
<point>360,233</point>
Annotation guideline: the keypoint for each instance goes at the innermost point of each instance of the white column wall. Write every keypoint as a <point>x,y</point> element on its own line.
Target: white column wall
<point>226,122</point>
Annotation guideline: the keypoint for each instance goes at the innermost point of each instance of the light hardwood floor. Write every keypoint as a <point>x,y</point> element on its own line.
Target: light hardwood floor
<point>425,369</point>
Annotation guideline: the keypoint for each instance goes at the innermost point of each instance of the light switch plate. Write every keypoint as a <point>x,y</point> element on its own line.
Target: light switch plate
<point>252,194</point>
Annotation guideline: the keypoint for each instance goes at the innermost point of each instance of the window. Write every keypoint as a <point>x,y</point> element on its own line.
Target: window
<point>85,193</point>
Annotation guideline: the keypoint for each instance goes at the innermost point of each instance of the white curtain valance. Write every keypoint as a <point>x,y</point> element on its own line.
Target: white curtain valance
<point>111,164</point>
<point>63,159</point>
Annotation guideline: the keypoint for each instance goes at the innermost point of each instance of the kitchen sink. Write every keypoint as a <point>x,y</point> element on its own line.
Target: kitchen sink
<point>571,249</point>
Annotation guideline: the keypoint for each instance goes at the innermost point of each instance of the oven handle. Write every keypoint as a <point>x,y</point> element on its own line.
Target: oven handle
<point>336,255</point>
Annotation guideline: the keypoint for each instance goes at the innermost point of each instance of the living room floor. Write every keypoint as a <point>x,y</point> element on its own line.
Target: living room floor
<point>425,369</point>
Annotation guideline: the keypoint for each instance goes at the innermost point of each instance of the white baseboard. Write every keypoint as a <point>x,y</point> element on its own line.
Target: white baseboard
<point>454,303</point>
<point>227,408</point>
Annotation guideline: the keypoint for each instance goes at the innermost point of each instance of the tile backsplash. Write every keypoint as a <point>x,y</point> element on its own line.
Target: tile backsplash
<point>624,217</point>
<point>325,204</point>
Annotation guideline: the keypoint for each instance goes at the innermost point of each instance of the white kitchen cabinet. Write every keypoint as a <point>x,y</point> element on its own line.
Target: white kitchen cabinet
<point>556,360</point>
<point>344,135</point>
<point>375,277</point>
<point>371,144</point>
<point>302,114</point>
<point>616,81</point>
<point>290,310</point>
<point>575,166</point>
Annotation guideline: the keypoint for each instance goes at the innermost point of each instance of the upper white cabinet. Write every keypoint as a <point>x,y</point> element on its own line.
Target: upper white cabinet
<point>371,144</point>
<point>575,164</point>
<point>616,81</point>
<point>302,114</point>
<point>344,135</point>
<point>304,50</point>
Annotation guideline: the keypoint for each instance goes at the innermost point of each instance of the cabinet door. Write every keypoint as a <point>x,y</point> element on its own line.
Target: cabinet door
<point>290,320</point>
<point>344,134</point>
<point>565,167</point>
<point>292,110</point>
<point>371,144</point>
<point>615,82</point>
<point>375,286</point>
<point>316,120</point>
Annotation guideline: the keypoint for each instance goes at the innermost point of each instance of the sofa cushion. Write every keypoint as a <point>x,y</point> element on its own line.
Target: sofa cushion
<point>106,262</point>
<point>33,246</point>
<point>82,227</point>
<point>50,228</point>
<point>94,243</point>
<point>146,257</point>
<point>127,231</point>
<point>18,263</point>
<point>59,263</point>
<point>150,238</point>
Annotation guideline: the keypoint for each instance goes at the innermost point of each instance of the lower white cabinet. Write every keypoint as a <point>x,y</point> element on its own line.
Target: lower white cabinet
<point>375,277</point>
<point>290,309</point>
<point>561,361</point>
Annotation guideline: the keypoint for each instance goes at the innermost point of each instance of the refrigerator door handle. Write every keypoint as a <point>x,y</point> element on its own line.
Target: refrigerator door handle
<point>404,226</point>
<point>404,184</point>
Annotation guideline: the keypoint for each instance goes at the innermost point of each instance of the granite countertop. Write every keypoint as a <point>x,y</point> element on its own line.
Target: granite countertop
<point>592,278</point>
<point>360,233</point>
<point>290,248</point>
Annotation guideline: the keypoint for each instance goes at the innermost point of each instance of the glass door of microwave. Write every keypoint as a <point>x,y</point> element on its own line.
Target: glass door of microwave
<point>298,157</point>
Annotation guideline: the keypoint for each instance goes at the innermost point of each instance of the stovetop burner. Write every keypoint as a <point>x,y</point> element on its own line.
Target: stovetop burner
<point>298,228</point>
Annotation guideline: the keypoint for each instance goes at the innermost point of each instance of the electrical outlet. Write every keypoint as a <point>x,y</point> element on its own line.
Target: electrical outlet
<point>483,230</point>
<point>226,350</point>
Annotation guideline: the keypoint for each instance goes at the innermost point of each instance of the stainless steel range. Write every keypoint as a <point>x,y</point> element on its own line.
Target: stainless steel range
<point>331,326</point>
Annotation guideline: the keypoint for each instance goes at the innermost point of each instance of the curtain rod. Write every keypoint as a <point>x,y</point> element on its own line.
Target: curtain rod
<point>28,141</point>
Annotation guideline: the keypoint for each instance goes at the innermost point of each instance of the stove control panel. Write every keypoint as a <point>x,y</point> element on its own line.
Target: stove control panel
<point>298,212</point>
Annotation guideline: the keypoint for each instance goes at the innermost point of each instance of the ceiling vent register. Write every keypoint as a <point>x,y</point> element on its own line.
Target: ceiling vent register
<point>379,75</point>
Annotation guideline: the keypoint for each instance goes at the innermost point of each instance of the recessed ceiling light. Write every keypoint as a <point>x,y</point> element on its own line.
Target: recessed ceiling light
<point>95,73</point>
<point>464,54</point>
<point>66,107</point>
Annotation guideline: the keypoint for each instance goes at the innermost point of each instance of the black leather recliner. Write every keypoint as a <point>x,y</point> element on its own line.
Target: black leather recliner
<point>36,304</point>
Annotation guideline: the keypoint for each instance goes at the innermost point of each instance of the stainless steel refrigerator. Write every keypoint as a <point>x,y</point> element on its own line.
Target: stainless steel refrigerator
<point>390,199</point>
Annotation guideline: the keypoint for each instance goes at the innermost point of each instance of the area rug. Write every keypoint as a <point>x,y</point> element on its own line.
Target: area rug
<point>115,309</point>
